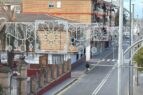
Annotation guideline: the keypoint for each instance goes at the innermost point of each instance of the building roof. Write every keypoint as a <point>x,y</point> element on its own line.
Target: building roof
<point>33,17</point>
<point>27,17</point>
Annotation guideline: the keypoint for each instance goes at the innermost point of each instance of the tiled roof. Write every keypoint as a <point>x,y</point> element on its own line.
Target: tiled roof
<point>33,17</point>
<point>26,17</point>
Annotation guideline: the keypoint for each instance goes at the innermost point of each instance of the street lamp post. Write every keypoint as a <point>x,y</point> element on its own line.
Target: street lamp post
<point>131,42</point>
<point>120,50</point>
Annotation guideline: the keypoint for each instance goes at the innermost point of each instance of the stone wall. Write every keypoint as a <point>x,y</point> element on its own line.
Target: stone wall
<point>45,78</point>
<point>5,82</point>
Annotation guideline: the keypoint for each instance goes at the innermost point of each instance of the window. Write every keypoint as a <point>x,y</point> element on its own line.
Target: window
<point>18,9</point>
<point>51,5</point>
<point>58,4</point>
<point>55,4</point>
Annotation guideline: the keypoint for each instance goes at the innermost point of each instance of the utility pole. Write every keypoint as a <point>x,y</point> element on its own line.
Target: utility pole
<point>120,50</point>
<point>131,42</point>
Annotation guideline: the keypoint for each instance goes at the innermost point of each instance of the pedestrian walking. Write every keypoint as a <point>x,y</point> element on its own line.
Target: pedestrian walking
<point>87,66</point>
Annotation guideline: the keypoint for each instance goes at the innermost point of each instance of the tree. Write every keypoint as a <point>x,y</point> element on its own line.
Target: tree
<point>124,19</point>
<point>9,13</point>
<point>138,58</point>
<point>1,90</point>
<point>117,19</point>
<point>104,15</point>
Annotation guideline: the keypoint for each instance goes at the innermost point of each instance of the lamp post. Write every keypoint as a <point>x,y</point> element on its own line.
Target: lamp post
<point>131,42</point>
<point>120,50</point>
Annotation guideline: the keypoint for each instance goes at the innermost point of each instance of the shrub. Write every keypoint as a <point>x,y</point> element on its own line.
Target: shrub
<point>138,58</point>
<point>1,90</point>
<point>5,69</point>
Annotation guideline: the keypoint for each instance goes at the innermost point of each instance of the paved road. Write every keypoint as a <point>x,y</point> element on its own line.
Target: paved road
<point>89,82</point>
<point>102,80</point>
<point>111,87</point>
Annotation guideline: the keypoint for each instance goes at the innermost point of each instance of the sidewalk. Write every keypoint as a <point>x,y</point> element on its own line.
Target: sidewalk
<point>77,73</point>
<point>138,90</point>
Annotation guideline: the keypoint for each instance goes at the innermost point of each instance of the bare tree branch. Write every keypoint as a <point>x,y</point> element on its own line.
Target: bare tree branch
<point>9,13</point>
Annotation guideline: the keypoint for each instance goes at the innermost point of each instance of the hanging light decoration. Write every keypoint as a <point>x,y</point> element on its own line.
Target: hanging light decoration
<point>16,43</point>
<point>19,33</point>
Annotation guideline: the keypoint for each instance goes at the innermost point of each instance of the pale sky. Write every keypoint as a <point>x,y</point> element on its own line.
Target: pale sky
<point>138,7</point>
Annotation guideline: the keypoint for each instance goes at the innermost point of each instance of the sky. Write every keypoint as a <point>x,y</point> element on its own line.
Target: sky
<point>138,9</point>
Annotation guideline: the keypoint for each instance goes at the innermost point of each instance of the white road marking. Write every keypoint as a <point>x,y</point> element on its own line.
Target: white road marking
<point>103,59</point>
<point>113,60</point>
<point>103,81</point>
<point>108,60</point>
